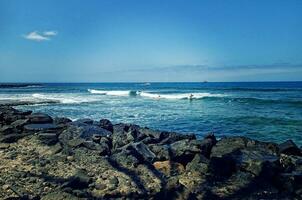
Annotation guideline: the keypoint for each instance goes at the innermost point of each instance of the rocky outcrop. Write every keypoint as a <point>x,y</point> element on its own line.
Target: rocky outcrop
<point>46,158</point>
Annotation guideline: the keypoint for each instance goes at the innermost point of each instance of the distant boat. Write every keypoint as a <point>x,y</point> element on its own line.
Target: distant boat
<point>146,84</point>
<point>205,81</point>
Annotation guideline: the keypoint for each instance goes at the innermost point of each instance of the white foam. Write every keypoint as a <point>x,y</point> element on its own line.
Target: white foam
<point>65,98</point>
<point>179,96</point>
<point>112,92</point>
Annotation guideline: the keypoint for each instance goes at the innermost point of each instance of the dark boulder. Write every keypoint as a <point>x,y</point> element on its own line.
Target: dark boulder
<point>48,138</point>
<point>87,132</point>
<point>161,152</point>
<point>142,150</point>
<point>91,130</point>
<point>183,151</point>
<point>199,164</point>
<point>106,124</point>
<point>222,167</point>
<point>39,118</point>
<point>289,148</point>
<point>171,137</point>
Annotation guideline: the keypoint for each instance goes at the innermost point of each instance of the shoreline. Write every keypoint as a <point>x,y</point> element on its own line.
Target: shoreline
<point>55,158</point>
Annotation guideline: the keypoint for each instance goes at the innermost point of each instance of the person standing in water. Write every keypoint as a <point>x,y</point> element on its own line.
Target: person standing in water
<point>191,97</point>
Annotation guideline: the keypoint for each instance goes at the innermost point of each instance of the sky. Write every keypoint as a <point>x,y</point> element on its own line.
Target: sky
<point>150,40</point>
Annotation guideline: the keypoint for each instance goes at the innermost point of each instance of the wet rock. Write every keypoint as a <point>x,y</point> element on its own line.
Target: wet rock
<point>39,118</point>
<point>106,124</point>
<point>289,148</point>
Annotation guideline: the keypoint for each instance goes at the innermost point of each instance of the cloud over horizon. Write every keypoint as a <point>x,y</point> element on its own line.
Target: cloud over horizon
<point>38,37</point>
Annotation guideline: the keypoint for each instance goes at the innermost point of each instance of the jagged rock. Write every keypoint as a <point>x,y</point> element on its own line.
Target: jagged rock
<point>126,158</point>
<point>106,124</point>
<point>183,151</point>
<point>289,147</point>
<point>161,152</point>
<point>199,164</point>
<point>143,150</point>
<point>39,118</point>
<point>81,133</point>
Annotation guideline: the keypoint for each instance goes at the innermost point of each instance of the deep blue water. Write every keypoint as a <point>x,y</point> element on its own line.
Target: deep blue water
<point>269,111</point>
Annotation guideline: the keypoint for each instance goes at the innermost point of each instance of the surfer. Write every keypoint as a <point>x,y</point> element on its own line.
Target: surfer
<point>191,97</point>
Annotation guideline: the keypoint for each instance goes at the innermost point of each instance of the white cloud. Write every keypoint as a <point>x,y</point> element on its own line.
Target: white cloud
<point>38,37</point>
<point>50,33</point>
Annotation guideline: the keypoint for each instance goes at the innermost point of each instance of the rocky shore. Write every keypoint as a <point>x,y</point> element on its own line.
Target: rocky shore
<point>55,158</point>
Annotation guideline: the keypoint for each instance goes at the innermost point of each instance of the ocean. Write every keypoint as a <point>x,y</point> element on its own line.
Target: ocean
<point>267,111</point>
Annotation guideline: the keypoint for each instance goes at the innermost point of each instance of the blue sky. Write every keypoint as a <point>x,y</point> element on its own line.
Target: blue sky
<point>150,40</point>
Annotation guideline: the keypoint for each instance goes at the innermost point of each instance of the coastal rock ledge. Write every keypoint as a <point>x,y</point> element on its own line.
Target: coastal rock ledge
<point>55,158</point>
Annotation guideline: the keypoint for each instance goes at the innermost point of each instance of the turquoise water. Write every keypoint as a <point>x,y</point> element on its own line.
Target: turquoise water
<point>269,111</point>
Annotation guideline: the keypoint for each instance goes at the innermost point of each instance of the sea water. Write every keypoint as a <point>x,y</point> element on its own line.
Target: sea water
<point>267,111</point>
